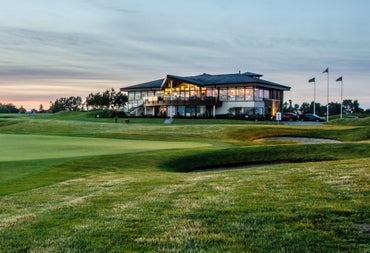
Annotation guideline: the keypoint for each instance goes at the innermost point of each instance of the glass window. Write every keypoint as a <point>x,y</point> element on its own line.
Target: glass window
<point>215,92</point>
<point>181,111</point>
<point>232,94</point>
<point>190,111</point>
<point>194,94</point>
<point>240,94</point>
<point>258,94</point>
<point>131,95</point>
<point>175,94</point>
<point>159,93</point>
<point>223,94</point>
<point>137,95</point>
<point>248,94</point>
<point>258,111</point>
<point>201,111</point>
<point>209,92</point>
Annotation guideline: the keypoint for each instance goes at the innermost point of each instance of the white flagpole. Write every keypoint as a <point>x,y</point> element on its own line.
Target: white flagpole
<point>327,106</point>
<point>314,96</point>
<point>341,95</point>
<point>341,98</point>
<point>327,92</point>
<point>314,93</point>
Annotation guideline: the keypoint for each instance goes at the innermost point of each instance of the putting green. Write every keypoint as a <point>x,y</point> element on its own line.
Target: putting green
<point>31,147</point>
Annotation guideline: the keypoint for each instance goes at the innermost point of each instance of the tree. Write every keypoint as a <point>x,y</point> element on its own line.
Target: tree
<point>350,106</point>
<point>109,99</point>
<point>4,109</point>
<point>58,105</point>
<point>73,103</point>
<point>8,108</point>
<point>290,107</point>
<point>305,108</point>
<point>357,108</point>
<point>334,108</point>
<point>22,110</point>
<point>94,100</point>
<point>106,99</point>
<point>119,100</point>
<point>66,104</point>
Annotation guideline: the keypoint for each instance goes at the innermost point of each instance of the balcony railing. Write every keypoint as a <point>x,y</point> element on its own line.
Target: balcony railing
<point>189,101</point>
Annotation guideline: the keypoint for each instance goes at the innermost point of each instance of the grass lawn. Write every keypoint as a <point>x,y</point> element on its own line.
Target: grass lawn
<point>34,147</point>
<point>90,186</point>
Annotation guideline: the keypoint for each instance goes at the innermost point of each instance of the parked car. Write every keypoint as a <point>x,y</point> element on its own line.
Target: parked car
<point>313,117</point>
<point>289,116</point>
<point>351,117</point>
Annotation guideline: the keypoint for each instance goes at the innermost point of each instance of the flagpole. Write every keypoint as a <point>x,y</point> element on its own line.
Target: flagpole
<point>341,95</point>
<point>327,106</point>
<point>313,80</point>
<point>314,96</point>
<point>327,92</point>
<point>341,99</point>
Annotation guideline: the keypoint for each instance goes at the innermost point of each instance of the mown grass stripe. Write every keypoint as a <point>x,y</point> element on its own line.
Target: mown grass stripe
<point>33,147</point>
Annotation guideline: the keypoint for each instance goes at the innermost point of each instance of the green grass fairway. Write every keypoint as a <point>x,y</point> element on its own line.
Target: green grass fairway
<point>33,147</point>
<point>73,183</point>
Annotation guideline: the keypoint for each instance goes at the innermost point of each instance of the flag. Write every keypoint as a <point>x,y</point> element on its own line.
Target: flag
<point>326,70</point>
<point>312,80</point>
<point>339,79</point>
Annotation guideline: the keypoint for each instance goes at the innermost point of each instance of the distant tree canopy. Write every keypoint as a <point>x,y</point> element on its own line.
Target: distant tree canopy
<point>349,107</point>
<point>8,108</point>
<point>109,99</point>
<point>66,104</point>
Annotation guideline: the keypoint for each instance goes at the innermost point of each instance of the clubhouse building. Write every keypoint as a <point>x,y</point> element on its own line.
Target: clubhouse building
<point>205,95</point>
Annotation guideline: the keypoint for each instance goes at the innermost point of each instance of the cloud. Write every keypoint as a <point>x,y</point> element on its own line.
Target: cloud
<point>111,6</point>
<point>98,43</point>
<point>34,53</point>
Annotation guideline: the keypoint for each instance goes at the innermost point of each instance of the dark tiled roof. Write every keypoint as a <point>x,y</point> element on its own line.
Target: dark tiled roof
<point>156,84</point>
<point>205,80</point>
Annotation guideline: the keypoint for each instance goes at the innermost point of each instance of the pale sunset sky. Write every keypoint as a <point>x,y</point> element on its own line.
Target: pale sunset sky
<point>51,49</point>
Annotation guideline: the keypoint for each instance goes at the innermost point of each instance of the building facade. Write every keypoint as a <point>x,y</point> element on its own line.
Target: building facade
<point>241,94</point>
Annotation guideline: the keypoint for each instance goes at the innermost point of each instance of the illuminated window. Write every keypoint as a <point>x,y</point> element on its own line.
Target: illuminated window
<point>240,94</point>
<point>223,94</point>
<point>232,94</point>
<point>131,95</point>
<point>248,94</point>
<point>137,95</point>
<point>209,92</point>
<point>258,94</point>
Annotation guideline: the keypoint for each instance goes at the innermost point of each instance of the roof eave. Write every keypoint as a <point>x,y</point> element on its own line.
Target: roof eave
<point>182,79</point>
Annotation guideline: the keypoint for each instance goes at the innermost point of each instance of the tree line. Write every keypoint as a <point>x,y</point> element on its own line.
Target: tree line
<point>10,108</point>
<point>113,100</point>
<point>109,99</point>
<point>349,107</point>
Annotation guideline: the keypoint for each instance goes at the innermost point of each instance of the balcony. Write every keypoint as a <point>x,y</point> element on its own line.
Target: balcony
<point>181,101</point>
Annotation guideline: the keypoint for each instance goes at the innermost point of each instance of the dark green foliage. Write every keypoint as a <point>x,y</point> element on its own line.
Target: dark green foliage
<point>109,99</point>
<point>66,104</point>
<point>233,157</point>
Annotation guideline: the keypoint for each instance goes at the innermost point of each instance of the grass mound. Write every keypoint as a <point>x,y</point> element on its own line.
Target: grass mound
<point>351,122</point>
<point>232,157</point>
